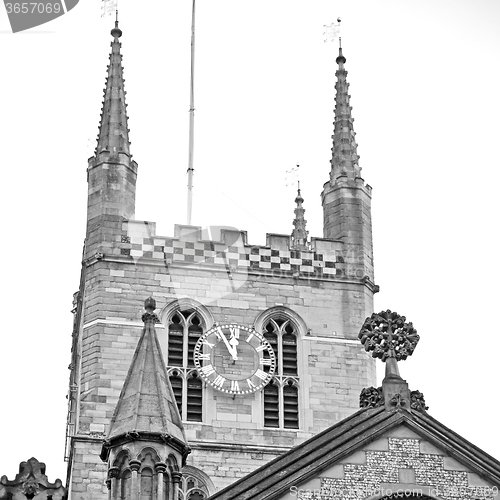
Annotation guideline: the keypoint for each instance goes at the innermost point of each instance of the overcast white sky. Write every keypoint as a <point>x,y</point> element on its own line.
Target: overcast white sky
<point>424,78</point>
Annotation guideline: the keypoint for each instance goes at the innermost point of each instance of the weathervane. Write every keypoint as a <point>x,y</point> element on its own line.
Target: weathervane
<point>332,31</point>
<point>389,336</point>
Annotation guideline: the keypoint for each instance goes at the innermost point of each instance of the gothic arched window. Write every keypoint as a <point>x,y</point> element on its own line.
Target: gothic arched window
<point>281,395</point>
<point>185,327</point>
<point>195,484</point>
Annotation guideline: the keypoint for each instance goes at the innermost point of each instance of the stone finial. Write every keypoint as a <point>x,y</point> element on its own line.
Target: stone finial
<point>149,315</point>
<point>116,32</point>
<point>150,304</point>
<point>30,481</point>
<point>390,338</point>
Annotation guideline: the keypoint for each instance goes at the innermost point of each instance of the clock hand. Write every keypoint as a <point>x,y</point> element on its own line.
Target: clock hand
<point>234,342</point>
<point>230,349</point>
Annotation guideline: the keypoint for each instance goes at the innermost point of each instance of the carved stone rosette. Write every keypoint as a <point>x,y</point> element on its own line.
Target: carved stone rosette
<point>371,397</point>
<point>417,401</point>
<point>388,335</point>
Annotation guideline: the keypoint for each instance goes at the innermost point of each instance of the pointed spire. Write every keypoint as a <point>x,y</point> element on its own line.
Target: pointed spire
<point>299,233</point>
<point>344,152</point>
<point>113,129</point>
<point>146,407</point>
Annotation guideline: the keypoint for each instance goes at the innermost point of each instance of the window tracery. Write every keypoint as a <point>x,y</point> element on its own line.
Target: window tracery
<point>185,326</point>
<point>281,395</point>
<point>195,484</point>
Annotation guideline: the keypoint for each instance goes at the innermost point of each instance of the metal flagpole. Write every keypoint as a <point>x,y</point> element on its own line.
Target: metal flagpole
<point>190,170</point>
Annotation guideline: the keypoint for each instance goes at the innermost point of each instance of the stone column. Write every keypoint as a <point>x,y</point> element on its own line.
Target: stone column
<point>160,468</point>
<point>176,479</point>
<point>134,490</point>
<point>112,483</point>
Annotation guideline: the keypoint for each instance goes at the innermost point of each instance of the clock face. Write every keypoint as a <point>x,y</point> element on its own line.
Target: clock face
<point>234,359</point>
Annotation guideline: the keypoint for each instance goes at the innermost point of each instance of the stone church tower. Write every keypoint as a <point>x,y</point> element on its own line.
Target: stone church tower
<point>305,298</point>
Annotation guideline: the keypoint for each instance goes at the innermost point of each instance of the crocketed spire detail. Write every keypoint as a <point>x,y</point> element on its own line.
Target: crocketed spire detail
<point>344,152</point>
<point>299,233</point>
<point>113,129</point>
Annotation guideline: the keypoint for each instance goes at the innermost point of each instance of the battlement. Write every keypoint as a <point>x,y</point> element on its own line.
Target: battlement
<point>228,247</point>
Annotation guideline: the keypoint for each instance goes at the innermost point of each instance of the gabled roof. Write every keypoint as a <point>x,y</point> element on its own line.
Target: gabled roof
<point>308,459</point>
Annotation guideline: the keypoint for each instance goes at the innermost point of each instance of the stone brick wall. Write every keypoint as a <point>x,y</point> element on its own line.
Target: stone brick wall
<point>233,282</point>
<point>399,462</point>
<point>347,217</point>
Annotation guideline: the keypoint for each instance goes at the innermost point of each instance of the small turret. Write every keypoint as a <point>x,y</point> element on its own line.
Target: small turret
<point>146,437</point>
<point>111,172</point>
<point>299,233</point>
<point>346,198</point>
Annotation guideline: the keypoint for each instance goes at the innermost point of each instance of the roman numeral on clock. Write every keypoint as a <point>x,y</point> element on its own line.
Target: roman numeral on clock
<point>206,342</point>
<point>204,356</point>
<point>261,374</point>
<point>219,381</point>
<point>235,332</point>
<point>207,370</point>
<point>266,362</point>
<point>235,386</point>
<point>261,348</point>
<point>251,385</point>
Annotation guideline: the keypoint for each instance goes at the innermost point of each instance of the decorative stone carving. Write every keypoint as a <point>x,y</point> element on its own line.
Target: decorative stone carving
<point>371,397</point>
<point>149,315</point>
<point>31,482</point>
<point>417,401</point>
<point>398,401</point>
<point>389,336</point>
<point>113,472</point>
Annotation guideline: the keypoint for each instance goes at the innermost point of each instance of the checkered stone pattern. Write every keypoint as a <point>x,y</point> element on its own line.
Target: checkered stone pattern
<point>247,257</point>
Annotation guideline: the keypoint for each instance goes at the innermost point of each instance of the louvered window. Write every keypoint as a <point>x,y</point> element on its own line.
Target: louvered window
<point>185,327</point>
<point>271,405</point>
<point>194,398</point>
<point>175,341</point>
<point>281,396</point>
<point>290,406</point>
<point>176,383</point>
<point>194,333</point>
<point>289,346</point>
